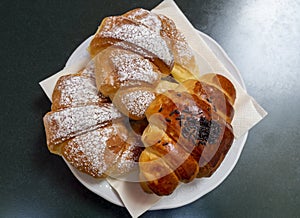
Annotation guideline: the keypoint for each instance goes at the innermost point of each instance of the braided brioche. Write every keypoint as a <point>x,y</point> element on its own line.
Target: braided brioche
<point>188,135</point>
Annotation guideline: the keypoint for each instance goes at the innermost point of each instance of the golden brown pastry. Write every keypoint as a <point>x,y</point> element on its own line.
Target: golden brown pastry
<point>128,79</point>
<point>128,34</point>
<point>222,83</point>
<point>117,68</point>
<point>83,91</point>
<point>137,49</point>
<point>184,60</point>
<point>103,151</point>
<point>214,94</point>
<point>87,130</point>
<point>134,101</point>
<point>188,135</point>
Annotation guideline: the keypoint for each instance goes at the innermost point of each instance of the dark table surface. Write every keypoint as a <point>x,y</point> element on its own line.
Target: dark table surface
<point>261,37</point>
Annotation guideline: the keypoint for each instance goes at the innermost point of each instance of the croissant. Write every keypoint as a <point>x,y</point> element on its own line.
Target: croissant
<point>188,135</point>
<point>86,129</point>
<point>133,53</point>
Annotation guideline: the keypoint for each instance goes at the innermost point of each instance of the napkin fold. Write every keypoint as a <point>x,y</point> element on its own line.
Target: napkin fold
<point>247,111</point>
<point>133,197</point>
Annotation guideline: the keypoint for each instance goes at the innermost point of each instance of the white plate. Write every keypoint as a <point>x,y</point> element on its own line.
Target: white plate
<point>193,190</point>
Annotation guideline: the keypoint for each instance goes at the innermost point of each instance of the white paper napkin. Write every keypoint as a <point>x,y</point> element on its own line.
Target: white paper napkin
<point>133,197</point>
<point>247,111</point>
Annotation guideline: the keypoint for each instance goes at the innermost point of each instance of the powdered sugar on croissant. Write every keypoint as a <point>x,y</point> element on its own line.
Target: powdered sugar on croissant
<point>87,129</point>
<point>137,49</point>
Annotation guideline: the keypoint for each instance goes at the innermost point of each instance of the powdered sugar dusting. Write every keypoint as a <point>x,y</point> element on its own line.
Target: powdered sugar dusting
<point>138,35</point>
<point>136,102</point>
<point>69,122</point>
<point>145,17</point>
<point>86,152</point>
<point>183,53</point>
<point>128,160</point>
<point>89,70</point>
<point>89,152</point>
<point>132,68</point>
<point>76,90</point>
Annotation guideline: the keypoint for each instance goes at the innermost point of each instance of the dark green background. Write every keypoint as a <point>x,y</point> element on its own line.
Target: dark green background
<point>262,38</point>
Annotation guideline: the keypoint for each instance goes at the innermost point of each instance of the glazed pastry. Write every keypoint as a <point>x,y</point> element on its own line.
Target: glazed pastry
<point>188,135</point>
<point>222,98</point>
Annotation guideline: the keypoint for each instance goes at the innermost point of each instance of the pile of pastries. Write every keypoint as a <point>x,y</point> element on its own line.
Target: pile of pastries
<point>138,105</point>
